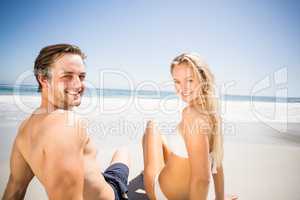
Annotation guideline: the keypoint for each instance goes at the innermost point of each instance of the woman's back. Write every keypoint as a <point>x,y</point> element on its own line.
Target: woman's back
<point>174,178</point>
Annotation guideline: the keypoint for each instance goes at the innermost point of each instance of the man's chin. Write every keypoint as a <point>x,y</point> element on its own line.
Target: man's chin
<point>76,103</point>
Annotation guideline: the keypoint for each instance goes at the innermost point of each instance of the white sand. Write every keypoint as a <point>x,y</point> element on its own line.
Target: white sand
<point>262,140</point>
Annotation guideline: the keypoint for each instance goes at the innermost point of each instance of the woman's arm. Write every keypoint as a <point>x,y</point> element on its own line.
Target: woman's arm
<point>219,183</point>
<point>197,142</point>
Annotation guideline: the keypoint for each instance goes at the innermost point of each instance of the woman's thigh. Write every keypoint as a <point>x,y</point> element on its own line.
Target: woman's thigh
<point>153,156</point>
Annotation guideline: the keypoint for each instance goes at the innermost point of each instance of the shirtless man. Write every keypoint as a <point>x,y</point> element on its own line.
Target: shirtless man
<point>52,144</point>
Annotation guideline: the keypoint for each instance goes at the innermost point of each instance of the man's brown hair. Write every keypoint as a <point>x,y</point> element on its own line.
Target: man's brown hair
<point>48,55</point>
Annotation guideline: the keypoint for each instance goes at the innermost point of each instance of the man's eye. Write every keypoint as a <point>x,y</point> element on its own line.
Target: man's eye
<point>82,77</point>
<point>67,76</point>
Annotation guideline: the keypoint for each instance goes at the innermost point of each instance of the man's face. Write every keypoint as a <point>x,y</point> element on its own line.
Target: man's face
<point>66,84</point>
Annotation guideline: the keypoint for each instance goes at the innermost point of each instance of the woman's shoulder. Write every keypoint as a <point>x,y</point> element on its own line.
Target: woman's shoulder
<point>194,120</point>
<point>192,114</point>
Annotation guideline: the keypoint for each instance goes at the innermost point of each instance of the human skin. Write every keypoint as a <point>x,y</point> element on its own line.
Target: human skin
<point>52,143</point>
<point>181,178</point>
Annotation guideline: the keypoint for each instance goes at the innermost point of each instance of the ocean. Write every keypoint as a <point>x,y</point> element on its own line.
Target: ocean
<point>32,90</point>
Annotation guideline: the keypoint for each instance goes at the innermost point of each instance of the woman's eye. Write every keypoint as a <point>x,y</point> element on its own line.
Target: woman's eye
<point>191,80</point>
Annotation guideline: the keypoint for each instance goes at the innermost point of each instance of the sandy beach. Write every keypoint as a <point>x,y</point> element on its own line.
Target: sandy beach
<point>261,140</point>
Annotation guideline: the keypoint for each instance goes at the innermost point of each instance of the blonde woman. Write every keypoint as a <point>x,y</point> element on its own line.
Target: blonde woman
<point>173,174</point>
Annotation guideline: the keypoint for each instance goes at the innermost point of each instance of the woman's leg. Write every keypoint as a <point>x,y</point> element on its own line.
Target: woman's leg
<point>153,157</point>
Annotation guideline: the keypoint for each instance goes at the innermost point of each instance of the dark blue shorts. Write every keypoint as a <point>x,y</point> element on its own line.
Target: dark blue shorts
<point>117,176</point>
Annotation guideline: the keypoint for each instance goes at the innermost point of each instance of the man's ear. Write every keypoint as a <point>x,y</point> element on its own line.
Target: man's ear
<point>43,81</point>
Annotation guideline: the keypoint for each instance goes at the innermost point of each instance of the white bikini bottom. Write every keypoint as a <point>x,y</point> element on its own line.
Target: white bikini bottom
<point>157,191</point>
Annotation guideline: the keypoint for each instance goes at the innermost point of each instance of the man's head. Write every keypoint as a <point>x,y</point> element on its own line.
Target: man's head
<point>60,72</point>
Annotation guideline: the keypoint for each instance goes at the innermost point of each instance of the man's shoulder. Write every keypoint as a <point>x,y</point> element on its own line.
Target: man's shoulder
<point>60,126</point>
<point>56,118</point>
<point>60,117</point>
<point>20,132</point>
<point>64,123</point>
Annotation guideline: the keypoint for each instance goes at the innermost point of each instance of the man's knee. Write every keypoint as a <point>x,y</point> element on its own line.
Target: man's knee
<point>122,155</point>
<point>122,152</point>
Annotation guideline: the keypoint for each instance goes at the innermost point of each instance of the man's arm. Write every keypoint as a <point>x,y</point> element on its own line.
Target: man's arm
<point>20,176</point>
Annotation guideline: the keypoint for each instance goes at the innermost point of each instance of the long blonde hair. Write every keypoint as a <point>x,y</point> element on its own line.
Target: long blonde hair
<point>206,99</point>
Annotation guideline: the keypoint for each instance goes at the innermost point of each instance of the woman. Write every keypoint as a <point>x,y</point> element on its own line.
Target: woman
<point>173,174</point>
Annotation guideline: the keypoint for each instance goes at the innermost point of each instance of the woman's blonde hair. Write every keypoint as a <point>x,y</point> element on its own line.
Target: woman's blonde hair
<point>206,99</point>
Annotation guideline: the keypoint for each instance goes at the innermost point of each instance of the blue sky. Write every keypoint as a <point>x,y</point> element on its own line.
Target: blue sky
<point>243,41</point>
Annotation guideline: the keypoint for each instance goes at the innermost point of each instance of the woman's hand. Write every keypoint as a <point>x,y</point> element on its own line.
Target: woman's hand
<point>231,197</point>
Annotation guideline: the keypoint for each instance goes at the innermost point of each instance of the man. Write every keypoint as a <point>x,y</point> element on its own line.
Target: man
<point>52,144</point>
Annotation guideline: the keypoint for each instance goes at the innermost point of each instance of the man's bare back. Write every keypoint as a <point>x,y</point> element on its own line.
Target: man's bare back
<point>52,144</point>
<point>56,149</point>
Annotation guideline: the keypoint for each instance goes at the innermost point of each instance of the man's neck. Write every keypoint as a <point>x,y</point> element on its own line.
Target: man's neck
<point>47,107</point>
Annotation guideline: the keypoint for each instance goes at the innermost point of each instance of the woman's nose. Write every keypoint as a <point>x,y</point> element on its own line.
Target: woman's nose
<point>184,87</point>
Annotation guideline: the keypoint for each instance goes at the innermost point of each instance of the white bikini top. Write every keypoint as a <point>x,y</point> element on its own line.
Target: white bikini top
<point>176,143</point>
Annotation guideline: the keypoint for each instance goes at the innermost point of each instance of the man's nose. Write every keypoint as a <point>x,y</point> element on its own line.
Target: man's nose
<point>76,83</point>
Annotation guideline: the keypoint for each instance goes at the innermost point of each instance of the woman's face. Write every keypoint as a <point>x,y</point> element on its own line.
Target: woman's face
<point>186,83</point>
